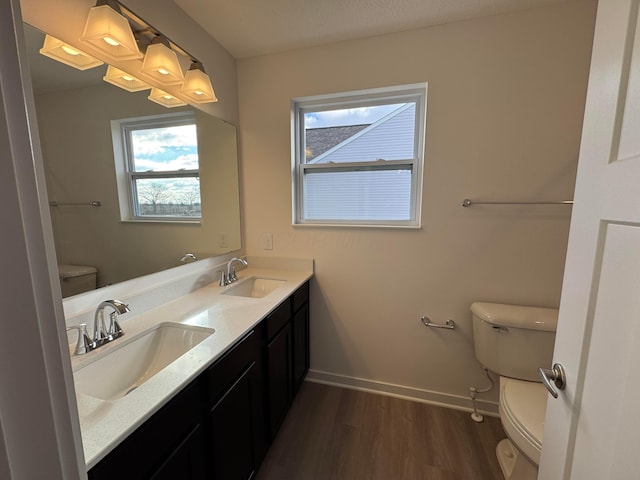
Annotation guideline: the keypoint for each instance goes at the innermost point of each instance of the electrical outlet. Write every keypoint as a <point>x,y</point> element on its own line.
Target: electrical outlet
<point>267,241</point>
<point>223,239</point>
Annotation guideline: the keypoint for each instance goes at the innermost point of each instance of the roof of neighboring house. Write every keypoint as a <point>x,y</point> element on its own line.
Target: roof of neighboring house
<point>319,140</point>
<point>389,138</point>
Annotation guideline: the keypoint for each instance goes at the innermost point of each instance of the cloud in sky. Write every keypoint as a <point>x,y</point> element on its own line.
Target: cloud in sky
<point>167,148</point>
<point>348,116</point>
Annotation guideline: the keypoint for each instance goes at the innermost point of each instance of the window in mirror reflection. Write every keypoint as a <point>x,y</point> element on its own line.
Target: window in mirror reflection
<point>161,167</point>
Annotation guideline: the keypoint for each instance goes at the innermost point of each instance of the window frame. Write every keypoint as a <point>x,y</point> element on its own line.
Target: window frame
<point>372,97</point>
<point>126,176</point>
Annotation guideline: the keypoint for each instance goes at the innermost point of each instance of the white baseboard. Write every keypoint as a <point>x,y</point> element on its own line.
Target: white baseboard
<point>408,393</point>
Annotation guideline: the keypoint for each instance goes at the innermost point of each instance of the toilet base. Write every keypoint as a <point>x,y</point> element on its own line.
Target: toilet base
<point>513,464</point>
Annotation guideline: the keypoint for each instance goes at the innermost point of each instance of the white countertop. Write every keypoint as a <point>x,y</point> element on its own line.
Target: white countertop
<point>104,424</point>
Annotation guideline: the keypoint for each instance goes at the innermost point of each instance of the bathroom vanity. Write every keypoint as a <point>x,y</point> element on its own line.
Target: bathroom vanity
<point>213,412</point>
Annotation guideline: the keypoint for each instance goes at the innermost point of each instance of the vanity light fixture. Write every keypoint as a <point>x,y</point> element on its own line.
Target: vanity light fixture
<point>165,99</point>
<point>108,31</point>
<point>65,53</point>
<point>197,85</point>
<point>119,35</point>
<point>122,79</point>
<point>161,63</point>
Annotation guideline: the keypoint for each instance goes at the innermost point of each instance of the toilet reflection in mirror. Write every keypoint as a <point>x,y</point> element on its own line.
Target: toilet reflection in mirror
<point>74,114</point>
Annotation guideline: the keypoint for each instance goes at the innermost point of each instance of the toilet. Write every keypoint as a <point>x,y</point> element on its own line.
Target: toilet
<point>75,279</point>
<point>514,341</point>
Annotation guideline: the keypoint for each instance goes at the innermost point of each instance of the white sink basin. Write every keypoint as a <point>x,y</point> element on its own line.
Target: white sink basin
<point>135,361</point>
<point>254,287</point>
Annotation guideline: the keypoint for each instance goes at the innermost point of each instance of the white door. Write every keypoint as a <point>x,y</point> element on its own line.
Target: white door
<point>592,430</point>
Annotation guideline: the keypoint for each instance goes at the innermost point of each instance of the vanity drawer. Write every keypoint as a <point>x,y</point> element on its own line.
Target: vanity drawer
<point>300,297</point>
<point>226,371</point>
<point>171,437</point>
<point>278,318</point>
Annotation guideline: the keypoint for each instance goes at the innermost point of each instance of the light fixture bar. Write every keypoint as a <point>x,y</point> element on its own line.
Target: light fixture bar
<point>120,35</point>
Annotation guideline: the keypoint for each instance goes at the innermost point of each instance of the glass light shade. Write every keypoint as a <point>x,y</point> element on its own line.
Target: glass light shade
<point>197,86</point>
<point>161,64</point>
<point>122,79</point>
<point>165,99</point>
<point>108,31</point>
<point>65,53</point>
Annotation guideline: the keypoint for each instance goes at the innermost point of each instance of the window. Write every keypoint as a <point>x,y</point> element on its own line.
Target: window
<point>157,168</point>
<point>357,157</point>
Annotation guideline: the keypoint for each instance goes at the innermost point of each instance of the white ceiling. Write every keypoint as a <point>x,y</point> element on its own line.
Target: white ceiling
<point>248,28</point>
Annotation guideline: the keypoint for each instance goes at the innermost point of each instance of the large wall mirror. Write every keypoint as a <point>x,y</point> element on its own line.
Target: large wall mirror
<point>75,110</point>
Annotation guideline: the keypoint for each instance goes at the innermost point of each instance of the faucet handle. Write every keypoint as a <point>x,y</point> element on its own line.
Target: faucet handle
<point>84,343</point>
<point>223,279</point>
<point>115,330</point>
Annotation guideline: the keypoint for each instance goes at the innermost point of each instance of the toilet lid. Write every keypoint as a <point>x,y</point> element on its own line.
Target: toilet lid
<point>522,409</point>
<point>71,271</point>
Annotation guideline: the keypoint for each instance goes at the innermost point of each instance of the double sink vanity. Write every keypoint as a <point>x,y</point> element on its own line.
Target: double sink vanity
<point>199,385</point>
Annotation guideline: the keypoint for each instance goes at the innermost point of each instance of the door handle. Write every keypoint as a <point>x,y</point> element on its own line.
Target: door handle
<point>555,375</point>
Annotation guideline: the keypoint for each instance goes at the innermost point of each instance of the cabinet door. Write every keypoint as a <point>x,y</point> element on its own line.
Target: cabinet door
<point>233,429</point>
<point>171,438</point>
<point>186,461</point>
<point>279,377</point>
<point>300,325</point>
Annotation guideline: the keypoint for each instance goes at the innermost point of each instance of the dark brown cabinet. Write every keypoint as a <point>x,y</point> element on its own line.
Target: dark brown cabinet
<point>236,417</point>
<point>300,336</point>
<point>172,440</point>
<point>279,377</point>
<point>185,461</point>
<point>287,354</point>
<point>232,433</point>
<point>221,425</point>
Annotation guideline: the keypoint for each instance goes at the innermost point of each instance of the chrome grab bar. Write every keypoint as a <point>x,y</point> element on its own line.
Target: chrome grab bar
<point>449,324</point>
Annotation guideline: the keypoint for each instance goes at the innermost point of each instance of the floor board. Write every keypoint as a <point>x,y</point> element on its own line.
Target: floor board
<point>335,433</point>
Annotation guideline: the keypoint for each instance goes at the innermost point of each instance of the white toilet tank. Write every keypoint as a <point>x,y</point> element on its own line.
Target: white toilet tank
<point>76,279</point>
<point>512,340</point>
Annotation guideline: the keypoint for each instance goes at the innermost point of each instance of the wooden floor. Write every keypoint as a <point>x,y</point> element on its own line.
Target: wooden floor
<point>339,434</point>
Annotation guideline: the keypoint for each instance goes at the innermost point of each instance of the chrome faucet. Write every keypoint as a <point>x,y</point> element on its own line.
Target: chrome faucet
<point>84,343</point>
<point>102,334</point>
<point>230,276</point>
<point>188,256</point>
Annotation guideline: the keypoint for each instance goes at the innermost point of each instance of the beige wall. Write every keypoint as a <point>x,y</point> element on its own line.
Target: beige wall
<point>505,106</point>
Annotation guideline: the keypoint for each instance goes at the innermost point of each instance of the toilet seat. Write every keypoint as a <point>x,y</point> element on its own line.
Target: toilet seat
<point>522,410</point>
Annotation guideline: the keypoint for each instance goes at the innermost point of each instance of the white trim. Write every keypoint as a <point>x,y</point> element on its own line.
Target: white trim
<point>33,349</point>
<point>448,400</point>
<point>331,100</point>
<point>413,93</point>
<point>126,176</point>
<point>351,224</point>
